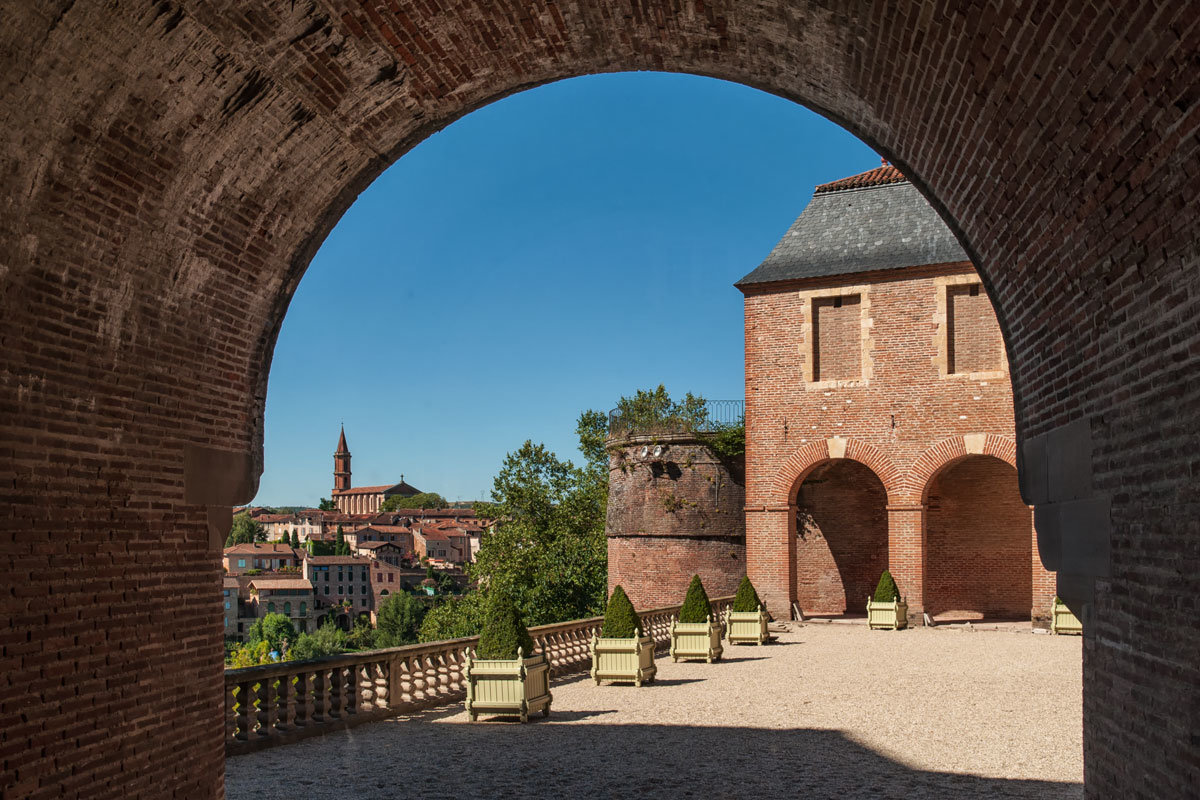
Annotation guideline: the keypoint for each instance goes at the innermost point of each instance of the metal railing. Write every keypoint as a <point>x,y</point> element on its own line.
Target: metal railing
<point>275,704</point>
<point>716,414</point>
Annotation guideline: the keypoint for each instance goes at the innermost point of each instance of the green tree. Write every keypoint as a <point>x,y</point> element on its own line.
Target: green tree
<point>454,618</point>
<point>295,540</point>
<point>340,548</point>
<point>421,500</point>
<point>316,548</point>
<point>886,590</point>
<point>363,637</point>
<point>249,655</point>
<point>245,531</point>
<point>327,640</point>
<point>398,621</point>
<point>654,410</point>
<point>621,621</point>
<point>504,633</point>
<point>746,598</point>
<point>274,629</point>
<point>696,607</point>
<point>326,505</point>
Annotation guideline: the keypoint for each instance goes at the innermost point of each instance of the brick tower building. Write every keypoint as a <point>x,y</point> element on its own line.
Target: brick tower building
<point>360,499</point>
<point>879,417</point>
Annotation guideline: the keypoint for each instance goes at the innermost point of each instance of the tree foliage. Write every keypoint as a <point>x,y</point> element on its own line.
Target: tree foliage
<point>620,619</point>
<point>696,607</point>
<point>421,500</point>
<point>747,598</point>
<point>295,543</point>
<point>341,547</point>
<point>249,655</point>
<point>245,531</point>
<point>398,621</point>
<point>503,631</point>
<point>326,505</point>
<point>654,410</point>
<point>327,640</point>
<point>274,629</point>
<point>886,590</point>
<point>454,618</point>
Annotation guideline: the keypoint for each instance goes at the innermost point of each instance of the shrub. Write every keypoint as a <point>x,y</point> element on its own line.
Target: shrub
<point>886,591</point>
<point>503,631</point>
<point>747,598</point>
<point>696,607</point>
<point>620,619</point>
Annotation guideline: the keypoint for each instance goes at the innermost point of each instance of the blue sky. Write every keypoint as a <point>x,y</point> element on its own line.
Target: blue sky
<point>544,255</point>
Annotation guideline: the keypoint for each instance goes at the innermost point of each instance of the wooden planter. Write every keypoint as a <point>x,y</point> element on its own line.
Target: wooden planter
<point>746,627</point>
<point>1063,619</point>
<point>519,686</point>
<point>629,659</point>
<point>887,616</point>
<point>696,640</point>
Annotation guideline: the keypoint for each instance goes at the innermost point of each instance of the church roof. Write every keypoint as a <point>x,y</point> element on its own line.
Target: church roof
<point>398,488</point>
<point>876,220</point>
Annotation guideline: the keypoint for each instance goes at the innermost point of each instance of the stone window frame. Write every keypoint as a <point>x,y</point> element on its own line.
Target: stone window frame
<point>941,318</point>
<point>808,343</point>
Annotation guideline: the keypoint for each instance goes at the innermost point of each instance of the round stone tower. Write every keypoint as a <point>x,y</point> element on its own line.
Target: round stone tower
<point>674,510</point>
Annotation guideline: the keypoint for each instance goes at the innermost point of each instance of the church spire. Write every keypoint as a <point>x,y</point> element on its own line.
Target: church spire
<point>341,464</point>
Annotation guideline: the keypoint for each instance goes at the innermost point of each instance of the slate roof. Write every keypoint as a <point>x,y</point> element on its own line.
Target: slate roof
<point>867,222</point>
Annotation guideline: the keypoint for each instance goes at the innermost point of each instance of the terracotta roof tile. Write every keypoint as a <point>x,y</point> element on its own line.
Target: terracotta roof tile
<point>261,549</point>
<point>281,583</point>
<point>880,176</point>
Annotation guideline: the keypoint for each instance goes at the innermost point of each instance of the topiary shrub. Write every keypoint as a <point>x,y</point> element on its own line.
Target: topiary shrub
<point>503,631</point>
<point>886,591</point>
<point>747,598</point>
<point>696,607</point>
<point>620,619</point>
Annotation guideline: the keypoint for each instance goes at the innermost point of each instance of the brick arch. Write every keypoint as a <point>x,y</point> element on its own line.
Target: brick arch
<point>916,482</point>
<point>802,461</point>
<point>175,166</point>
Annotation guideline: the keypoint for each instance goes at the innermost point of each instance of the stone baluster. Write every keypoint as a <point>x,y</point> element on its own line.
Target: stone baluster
<point>320,696</point>
<point>303,695</point>
<point>231,720</point>
<point>382,683</point>
<point>245,701</point>
<point>366,683</point>
<point>265,715</point>
<point>284,698</point>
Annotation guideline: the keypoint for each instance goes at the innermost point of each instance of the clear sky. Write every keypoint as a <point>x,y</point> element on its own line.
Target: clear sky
<point>546,254</point>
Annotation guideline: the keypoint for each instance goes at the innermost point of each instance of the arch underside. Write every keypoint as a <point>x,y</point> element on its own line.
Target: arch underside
<point>169,171</point>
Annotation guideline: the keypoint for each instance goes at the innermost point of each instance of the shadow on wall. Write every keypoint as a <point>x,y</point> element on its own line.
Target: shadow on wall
<point>544,759</point>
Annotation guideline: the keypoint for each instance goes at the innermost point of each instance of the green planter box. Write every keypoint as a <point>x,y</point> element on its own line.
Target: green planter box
<point>696,640</point>
<point>1063,619</point>
<point>746,627</point>
<point>629,659</point>
<point>519,687</point>
<point>887,616</point>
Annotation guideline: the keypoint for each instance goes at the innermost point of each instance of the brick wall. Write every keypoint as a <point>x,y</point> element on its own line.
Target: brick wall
<point>973,335</point>
<point>837,334</point>
<point>671,517</point>
<point>842,538</point>
<point>979,550</point>
<point>170,170</point>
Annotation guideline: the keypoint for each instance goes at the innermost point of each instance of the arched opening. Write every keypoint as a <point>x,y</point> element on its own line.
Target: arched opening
<point>246,133</point>
<point>979,542</point>
<point>839,516</point>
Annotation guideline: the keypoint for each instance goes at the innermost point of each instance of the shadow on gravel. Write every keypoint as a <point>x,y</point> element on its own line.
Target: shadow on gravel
<point>596,760</point>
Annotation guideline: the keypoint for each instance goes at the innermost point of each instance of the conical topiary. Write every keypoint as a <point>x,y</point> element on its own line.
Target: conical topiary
<point>696,607</point>
<point>620,619</point>
<point>886,591</point>
<point>747,598</point>
<point>503,631</point>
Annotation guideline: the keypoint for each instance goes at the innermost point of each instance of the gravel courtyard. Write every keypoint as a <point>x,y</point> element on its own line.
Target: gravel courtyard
<point>828,710</point>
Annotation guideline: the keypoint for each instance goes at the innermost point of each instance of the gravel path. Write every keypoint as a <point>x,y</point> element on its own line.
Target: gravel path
<point>831,711</point>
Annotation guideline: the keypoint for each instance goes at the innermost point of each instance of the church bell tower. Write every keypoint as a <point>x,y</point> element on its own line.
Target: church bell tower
<point>341,464</point>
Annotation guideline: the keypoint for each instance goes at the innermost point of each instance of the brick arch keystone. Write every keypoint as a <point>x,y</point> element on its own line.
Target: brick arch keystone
<point>950,450</point>
<point>805,458</point>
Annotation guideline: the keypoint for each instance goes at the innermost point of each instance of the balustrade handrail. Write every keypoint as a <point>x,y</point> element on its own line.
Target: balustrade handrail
<point>273,704</point>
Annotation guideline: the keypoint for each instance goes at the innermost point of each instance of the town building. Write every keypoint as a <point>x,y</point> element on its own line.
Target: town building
<point>879,417</point>
<point>265,556</point>
<point>291,596</point>
<point>385,552</point>
<point>229,598</point>
<point>341,584</point>
<point>361,499</point>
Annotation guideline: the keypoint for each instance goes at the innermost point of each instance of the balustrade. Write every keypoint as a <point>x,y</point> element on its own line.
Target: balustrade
<point>278,703</point>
